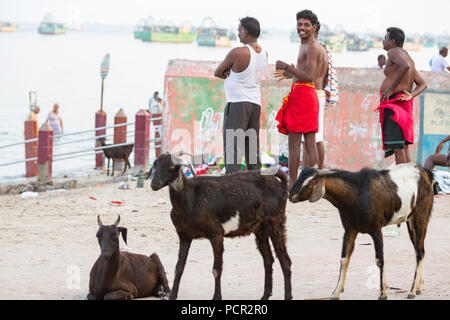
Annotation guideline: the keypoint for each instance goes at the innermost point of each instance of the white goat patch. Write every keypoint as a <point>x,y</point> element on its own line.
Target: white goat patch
<point>177,184</point>
<point>232,224</point>
<point>406,177</point>
<point>307,180</point>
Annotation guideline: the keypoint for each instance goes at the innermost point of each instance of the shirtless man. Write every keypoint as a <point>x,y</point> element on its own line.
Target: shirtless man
<point>396,93</point>
<point>299,114</point>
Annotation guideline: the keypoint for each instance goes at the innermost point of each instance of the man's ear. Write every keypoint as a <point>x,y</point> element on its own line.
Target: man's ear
<point>123,231</point>
<point>318,191</point>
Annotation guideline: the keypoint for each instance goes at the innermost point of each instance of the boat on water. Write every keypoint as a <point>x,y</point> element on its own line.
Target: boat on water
<point>212,36</point>
<point>168,32</point>
<point>139,29</point>
<point>356,45</point>
<point>50,27</point>
<point>7,26</point>
<point>412,46</point>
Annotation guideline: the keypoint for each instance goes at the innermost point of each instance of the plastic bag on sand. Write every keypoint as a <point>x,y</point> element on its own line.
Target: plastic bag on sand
<point>28,194</point>
<point>123,185</point>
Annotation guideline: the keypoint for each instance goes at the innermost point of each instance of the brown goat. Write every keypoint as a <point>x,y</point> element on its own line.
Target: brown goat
<point>117,153</point>
<point>120,275</point>
<point>367,201</point>
<point>230,206</point>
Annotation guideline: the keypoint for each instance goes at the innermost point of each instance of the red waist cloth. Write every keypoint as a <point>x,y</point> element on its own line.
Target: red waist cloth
<point>403,115</point>
<point>300,110</point>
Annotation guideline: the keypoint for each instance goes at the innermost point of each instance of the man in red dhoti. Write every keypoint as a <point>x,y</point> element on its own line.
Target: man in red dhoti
<point>299,114</point>
<point>396,109</point>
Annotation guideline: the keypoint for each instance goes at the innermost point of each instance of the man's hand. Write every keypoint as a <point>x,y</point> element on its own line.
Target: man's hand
<point>282,74</point>
<point>406,96</point>
<point>226,73</point>
<point>386,94</point>
<point>280,65</point>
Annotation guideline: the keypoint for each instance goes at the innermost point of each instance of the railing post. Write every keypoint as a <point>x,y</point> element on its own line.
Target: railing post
<point>141,139</point>
<point>156,128</point>
<point>31,132</point>
<point>100,121</point>
<point>120,136</point>
<point>45,152</point>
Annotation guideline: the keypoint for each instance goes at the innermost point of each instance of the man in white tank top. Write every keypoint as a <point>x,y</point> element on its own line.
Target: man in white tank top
<point>243,69</point>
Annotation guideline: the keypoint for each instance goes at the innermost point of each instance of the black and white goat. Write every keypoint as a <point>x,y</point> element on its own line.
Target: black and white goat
<point>226,206</point>
<point>367,201</point>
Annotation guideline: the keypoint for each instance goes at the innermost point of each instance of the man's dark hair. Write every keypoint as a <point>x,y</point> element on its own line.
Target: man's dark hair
<point>251,25</point>
<point>309,15</point>
<point>381,56</point>
<point>317,26</point>
<point>442,50</point>
<point>397,35</point>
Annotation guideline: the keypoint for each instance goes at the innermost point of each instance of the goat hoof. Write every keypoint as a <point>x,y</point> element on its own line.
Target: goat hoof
<point>419,292</point>
<point>334,298</point>
<point>411,296</point>
<point>91,296</point>
<point>382,298</point>
<point>288,297</point>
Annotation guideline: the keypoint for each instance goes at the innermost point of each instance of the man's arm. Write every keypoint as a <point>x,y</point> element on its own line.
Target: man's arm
<point>420,87</point>
<point>223,70</point>
<point>403,67</point>
<point>311,65</point>
<point>441,145</point>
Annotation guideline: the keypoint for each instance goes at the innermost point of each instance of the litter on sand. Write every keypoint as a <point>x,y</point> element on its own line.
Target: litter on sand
<point>28,194</point>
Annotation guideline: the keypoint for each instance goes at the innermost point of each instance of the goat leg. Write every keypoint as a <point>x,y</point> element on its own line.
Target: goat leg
<point>377,237</point>
<point>182,255</point>
<point>118,295</point>
<point>262,243</point>
<point>347,250</point>
<point>217,245</point>
<point>162,279</point>
<point>277,236</point>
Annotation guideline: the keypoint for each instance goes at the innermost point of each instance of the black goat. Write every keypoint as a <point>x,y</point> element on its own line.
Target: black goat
<point>367,201</point>
<point>117,153</point>
<point>120,275</point>
<point>226,206</point>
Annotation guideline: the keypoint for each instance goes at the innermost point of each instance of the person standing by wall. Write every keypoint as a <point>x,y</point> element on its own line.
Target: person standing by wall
<point>397,94</point>
<point>438,62</point>
<point>243,69</point>
<point>299,114</point>
<point>55,121</point>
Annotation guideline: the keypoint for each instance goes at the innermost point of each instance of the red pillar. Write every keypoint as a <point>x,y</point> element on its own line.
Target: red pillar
<point>158,133</point>
<point>31,168</point>
<point>100,121</point>
<point>45,153</point>
<point>120,136</point>
<point>141,139</point>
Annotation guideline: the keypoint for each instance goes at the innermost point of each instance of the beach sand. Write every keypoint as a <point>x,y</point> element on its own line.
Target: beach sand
<point>48,247</point>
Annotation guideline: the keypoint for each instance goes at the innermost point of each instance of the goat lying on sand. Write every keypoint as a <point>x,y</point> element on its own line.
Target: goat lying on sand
<point>226,206</point>
<point>117,153</point>
<point>367,201</point>
<point>120,275</point>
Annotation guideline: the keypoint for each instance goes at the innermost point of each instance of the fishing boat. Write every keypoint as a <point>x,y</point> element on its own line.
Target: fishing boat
<point>168,32</point>
<point>49,26</point>
<point>210,35</point>
<point>8,27</point>
<point>356,45</point>
<point>335,44</point>
<point>139,29</point>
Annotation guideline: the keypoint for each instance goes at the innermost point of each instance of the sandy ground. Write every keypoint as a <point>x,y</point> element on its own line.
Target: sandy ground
<point>48,247</point>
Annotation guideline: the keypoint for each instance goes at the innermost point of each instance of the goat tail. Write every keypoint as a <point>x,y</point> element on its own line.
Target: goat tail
<point>284,179</point>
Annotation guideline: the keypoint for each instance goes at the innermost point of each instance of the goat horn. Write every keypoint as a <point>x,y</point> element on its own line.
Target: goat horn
<point>117,221</point>
<point>99,221</point>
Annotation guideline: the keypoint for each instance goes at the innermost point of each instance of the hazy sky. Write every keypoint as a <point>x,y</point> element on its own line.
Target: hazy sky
<point>410,15</point>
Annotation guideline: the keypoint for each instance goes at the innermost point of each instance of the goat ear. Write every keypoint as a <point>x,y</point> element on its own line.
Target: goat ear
<point>318,191</point>
<point>123,231</point>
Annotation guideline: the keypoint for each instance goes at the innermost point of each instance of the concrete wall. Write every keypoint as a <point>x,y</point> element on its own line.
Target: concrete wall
<point>194,102</point>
